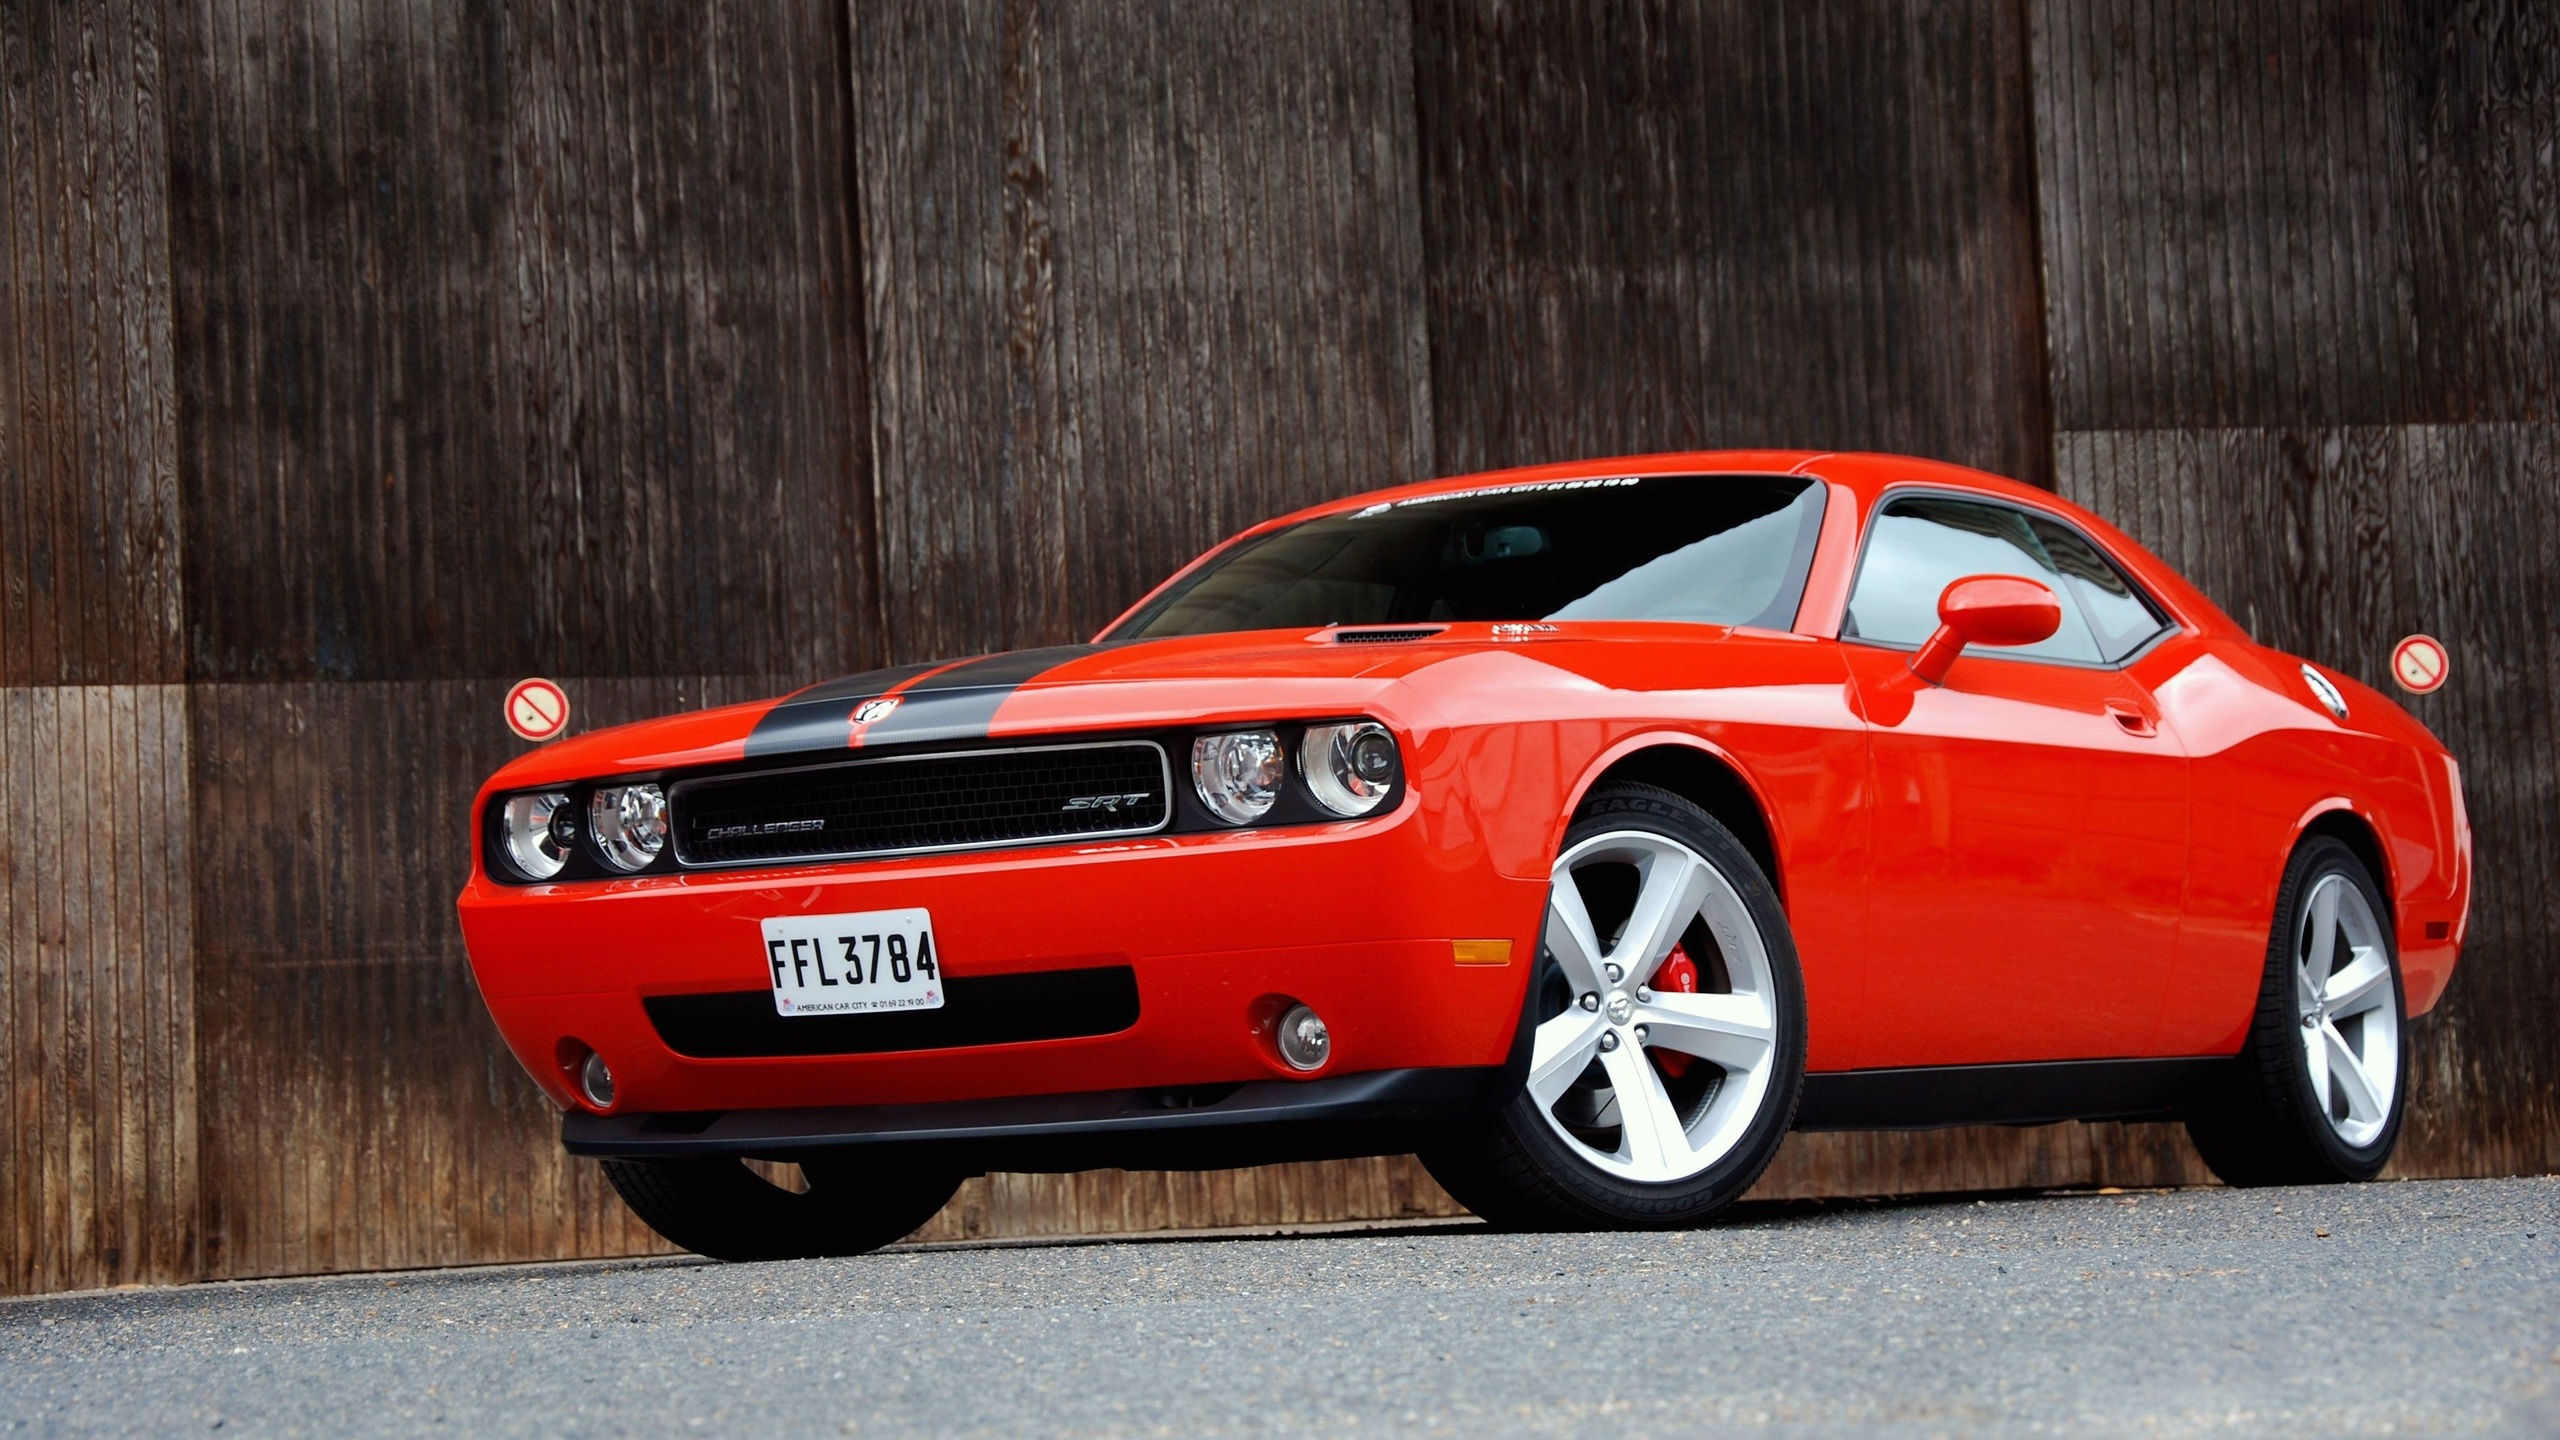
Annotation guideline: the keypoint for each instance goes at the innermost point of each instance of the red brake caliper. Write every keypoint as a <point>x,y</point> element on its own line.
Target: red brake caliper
<point>1678,976</point>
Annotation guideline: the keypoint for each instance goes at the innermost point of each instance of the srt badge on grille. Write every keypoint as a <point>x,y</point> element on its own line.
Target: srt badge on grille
<point>1108,803</point>
<point>769,827</point>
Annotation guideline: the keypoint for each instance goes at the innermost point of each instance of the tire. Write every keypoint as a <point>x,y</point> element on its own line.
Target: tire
<point>723,1210</point>
<point>2282,1123</point>
<point>1717,1071</point>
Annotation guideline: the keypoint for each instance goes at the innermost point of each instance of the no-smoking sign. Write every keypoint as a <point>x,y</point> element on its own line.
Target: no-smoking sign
<point>537,709</point>
<point>2418,663</point>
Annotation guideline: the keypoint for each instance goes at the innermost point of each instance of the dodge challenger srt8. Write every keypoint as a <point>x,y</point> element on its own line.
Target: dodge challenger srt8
<point>1581,829</point>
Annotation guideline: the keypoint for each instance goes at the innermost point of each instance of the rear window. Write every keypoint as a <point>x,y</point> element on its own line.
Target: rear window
<point>1716,550</point>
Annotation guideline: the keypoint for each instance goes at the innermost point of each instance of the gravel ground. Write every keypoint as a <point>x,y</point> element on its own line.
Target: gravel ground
<point>2431,1307</point>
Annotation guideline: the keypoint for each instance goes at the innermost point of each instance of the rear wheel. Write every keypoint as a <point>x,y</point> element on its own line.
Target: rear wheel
<point>724,1210</point>
<point>1669,1047</point>
<point>2318,1097</point>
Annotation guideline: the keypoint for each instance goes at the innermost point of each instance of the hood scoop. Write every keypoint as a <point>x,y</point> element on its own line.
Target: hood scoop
<point>1382,634</point>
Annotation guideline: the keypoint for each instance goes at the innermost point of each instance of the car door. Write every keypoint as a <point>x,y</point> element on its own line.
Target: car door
<point>2030,843</point>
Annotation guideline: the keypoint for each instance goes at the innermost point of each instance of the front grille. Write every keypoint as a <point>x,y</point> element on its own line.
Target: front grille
<point>903,804</point>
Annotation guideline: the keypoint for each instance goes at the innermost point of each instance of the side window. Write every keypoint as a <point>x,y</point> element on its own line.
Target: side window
<point>1922,543</point>
<point>2121,619</point>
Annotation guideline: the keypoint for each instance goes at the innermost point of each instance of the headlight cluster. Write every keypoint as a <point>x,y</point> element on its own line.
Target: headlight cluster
<point>1349,770</point>
<point>626,827</point>
<point>539,830</point>
<point>1290,773</point>
<point>629,823</point>
<point>1238,774</point>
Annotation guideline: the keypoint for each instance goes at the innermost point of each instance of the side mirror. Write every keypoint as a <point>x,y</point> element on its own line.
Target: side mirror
<point>1986,610</point>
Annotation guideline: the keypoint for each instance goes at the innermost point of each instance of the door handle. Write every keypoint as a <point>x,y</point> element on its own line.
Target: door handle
<point>2132,720</point>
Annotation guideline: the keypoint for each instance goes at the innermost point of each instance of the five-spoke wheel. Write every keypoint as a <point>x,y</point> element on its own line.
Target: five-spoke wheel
<point>1668,1040</point>
<point>1647,1074</point>
<point>2317,1094</point>
<point>2350,1023</point>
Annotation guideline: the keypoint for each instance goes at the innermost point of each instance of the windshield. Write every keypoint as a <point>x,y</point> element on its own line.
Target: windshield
<point>1715,550</point>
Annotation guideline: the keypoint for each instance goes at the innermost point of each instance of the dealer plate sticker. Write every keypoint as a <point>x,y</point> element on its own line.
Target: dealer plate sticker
<point>853,964</point>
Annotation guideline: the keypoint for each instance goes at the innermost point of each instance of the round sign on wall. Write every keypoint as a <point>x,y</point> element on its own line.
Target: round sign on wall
<point>2418,663</point>
<point>537,709</point>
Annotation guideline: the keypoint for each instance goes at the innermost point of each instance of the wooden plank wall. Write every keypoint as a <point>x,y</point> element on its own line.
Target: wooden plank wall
<point>2305,273</point>
<point>360,356</point>
<point>509,340</point>
<point>98,1176</point>
<point>1136,275</point>
<point>1680,224</point>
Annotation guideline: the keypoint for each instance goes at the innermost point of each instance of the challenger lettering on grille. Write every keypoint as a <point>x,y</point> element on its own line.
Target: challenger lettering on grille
<point>769,827</point>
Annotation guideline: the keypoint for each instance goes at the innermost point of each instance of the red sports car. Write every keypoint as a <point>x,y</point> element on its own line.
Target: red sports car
<point>1582,829</point>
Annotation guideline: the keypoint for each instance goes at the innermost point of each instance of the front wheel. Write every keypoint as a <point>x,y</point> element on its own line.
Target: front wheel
<point>1669,1048</point>
<point>2317,1097</point>
<point>721,1209</point>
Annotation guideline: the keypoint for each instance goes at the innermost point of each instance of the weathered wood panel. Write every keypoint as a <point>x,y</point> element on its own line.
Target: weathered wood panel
<point>2334,543</point>
<point>2484,203</point>
<point>97,1033</point>
<point>98,1175</point>
<point>684,406</point>
<point>1676,224</point>
<point>511,339</point>
<point>516,339</point>
<point>358,1109</point>
<point>89,589</point>
<point>2300,213</point>
<point>2222,207</point>
<point>1137,275</point>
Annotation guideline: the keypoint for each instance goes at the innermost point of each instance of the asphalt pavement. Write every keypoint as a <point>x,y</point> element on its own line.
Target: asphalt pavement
<point>2423,1307</point>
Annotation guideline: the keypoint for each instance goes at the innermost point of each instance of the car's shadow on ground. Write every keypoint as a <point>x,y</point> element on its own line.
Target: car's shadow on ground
<point>1741,1214</point>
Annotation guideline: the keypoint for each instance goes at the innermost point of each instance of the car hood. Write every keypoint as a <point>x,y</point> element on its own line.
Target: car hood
<point>1111,685</point>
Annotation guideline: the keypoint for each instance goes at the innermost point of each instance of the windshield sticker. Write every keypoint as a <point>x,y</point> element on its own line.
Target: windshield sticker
<point>1531,487</point>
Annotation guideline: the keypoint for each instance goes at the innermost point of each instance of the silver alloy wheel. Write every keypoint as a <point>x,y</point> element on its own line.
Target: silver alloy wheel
<point>2350,1023</point>
<point>1598,1045</point>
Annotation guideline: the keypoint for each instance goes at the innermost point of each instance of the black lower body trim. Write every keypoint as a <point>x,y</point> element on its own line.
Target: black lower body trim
<point>1200,1127</point>
<point>978,1010</point>
<point>1934,1097</point>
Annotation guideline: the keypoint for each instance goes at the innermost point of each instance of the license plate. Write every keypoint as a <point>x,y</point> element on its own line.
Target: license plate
<point>853,964</point>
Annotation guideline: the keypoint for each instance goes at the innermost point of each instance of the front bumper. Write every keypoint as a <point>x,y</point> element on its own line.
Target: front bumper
<point>1384,1112</point>
<point>1359,920</point>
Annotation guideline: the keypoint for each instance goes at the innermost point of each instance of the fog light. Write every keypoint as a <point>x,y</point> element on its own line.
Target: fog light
<point>596,1081</point>
<point>1304,1042</point>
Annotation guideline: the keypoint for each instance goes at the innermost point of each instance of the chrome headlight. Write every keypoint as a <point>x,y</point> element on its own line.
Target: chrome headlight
<point>1351,769</point>
<point>1237,774</point>
<point>629,823</point>
<point>538,830</point>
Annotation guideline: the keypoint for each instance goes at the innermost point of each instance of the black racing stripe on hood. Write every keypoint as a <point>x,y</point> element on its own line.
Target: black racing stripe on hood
<point>820,717</point>
<point>936,702</point>
<point>960,703</point>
